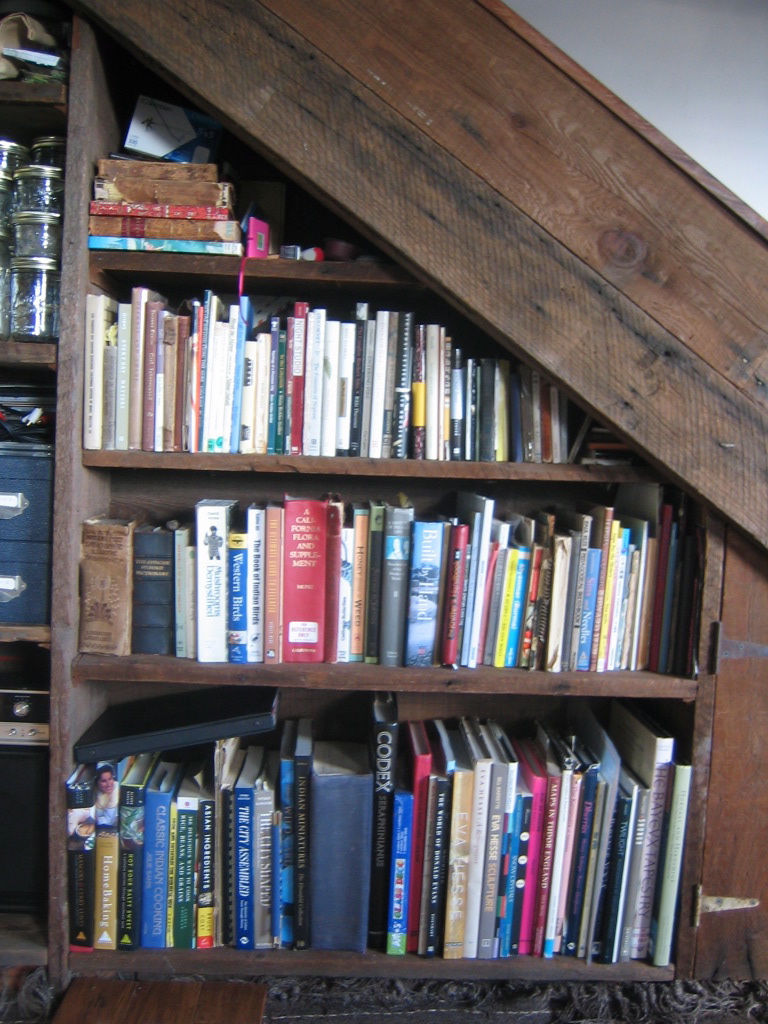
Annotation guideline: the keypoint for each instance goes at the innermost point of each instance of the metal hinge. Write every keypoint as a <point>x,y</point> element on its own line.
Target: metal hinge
<point>724,647</point>
<point>715,904</point>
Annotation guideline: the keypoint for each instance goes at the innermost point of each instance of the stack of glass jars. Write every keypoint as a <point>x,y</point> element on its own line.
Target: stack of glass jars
<point>31,214</point>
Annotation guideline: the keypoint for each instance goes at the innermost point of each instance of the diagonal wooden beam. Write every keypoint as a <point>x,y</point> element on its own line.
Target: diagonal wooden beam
<point>440,217</point>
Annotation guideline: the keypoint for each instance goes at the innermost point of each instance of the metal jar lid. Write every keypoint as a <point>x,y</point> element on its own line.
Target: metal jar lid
<point>40,263</point>
<point>9,146</point>
<point>37,171</point>
<point>49,140</point>
<point>35,217</point>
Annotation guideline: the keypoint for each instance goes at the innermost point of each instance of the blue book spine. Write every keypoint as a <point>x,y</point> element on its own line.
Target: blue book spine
<point>287,783</point>
<point>509,876</point>
<point>518,607</point>
<point>426,560</point>
<point>237,631</point>
<point>243,326</point>
<point>523,876</point>
<point>273,397</point>
<point>581,854</point>
<point>586,629</point>
<point>157,816</point>
<point>244,876</point>
<point>400,870</point>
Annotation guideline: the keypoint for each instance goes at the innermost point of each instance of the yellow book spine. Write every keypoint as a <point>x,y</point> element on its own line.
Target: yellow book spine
<point>507,600</point>
<point>172,836</point>
<point>605,624</point>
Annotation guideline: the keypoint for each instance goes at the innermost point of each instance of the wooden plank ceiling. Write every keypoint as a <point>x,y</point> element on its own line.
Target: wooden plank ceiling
<point>483,164</point>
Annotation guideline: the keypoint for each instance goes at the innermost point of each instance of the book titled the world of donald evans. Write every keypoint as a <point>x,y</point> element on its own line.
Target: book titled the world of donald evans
<point>178,720</point>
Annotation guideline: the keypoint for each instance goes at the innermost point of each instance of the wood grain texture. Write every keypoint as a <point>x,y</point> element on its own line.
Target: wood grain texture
<point>734,944</point>
<point>357,109</point>
<point>112,1001</point>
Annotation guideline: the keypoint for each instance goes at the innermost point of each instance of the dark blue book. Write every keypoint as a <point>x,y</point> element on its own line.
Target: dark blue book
<point>153,628</point>
<point>341,811</point>
<point>424,591</point>
<point>287,801</point>
<point>161,792</point>
<point>590,767</point>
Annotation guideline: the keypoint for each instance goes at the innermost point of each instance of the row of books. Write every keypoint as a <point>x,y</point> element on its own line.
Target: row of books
<point>274,376</point>
<point>453,838</point>
<point>318,579</point>
<point>162,206</point>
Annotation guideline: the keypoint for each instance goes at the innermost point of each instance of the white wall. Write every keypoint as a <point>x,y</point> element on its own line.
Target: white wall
<point>696,69</point>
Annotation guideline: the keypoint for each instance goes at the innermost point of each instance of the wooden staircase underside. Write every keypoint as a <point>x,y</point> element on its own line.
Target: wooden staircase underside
<point>465,147</point>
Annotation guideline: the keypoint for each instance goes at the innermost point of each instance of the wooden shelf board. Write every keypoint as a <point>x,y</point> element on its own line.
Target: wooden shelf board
<point>357,467</point>
<point>33,108</point>
<point>23,941</point>
<point>223,961</point>
<point>357,676</point>
<point>277,273</point>
<point>34,634</point>
<point>28,354</point>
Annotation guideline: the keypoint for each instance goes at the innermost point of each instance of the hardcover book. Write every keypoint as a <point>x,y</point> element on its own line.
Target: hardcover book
<point>131,810</point>
<point>341,810</point>
<point>246,848</point>
<point>106,578</point>
<point>159,800</point>
<point>305,539</point>
<point>394,583</point>
<point>212,523</point>
<point>153,620</point>
<point>237,622</point>
<point>425,573</point>
<point>383,743</point>
<point>273,584</point>
<point>303,756</point>
<point>400,866</point>
<point>452,757</point>
<point>81,852</point>
<point>419,758</point>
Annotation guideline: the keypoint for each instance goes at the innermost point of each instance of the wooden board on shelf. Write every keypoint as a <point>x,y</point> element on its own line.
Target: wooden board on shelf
<point>23,941</point>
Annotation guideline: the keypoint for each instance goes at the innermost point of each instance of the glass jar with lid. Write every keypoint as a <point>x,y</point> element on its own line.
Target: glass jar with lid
<point>12,155</point>
<point>5,286</point>
<point>35,292</point>
<point>37,234</point>
<point>38,188</point>
<point>50,150</point>
<point>6,195</point>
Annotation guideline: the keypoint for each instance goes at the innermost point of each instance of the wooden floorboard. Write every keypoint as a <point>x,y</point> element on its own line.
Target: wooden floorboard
<point>110,1001</point>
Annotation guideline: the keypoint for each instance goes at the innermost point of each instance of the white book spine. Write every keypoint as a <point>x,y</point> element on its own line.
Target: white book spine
<point>123,375</point>
<point>330,400</point>
<point>313,382</point>
<point>380,351</point>
<point>248,407</point>
<point>346,384</point>
<point>261,416</point>
<point>230,374</point>
<point>255,589</point>
<point>434,392</point>
<point>345,595</point>
<point>212,525</point>
<point>476,865</point>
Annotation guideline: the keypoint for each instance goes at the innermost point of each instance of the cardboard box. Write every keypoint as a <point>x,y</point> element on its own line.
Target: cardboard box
<point>167,132</point>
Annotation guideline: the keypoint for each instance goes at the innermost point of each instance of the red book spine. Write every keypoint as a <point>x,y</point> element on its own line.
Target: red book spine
<point>273,579</point>
<point>457,564</point>
<point>420,755</point>
<point>534,775</point>
<point>300,313</point>
<point>548,837</point>
<point>305,559</point>
<point>107,208</point>
<point>333,579</point>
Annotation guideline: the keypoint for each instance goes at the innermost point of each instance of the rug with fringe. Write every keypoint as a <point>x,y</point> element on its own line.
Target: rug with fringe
<point>386,1001</point>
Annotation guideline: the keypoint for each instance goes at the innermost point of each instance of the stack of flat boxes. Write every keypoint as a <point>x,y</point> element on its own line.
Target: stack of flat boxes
<point>26,505</point>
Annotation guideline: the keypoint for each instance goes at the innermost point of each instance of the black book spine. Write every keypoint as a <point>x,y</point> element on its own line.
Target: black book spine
<point>153,629</point>
<point>437,894</point>
<point>302,778</point>
<point>384,739</point>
